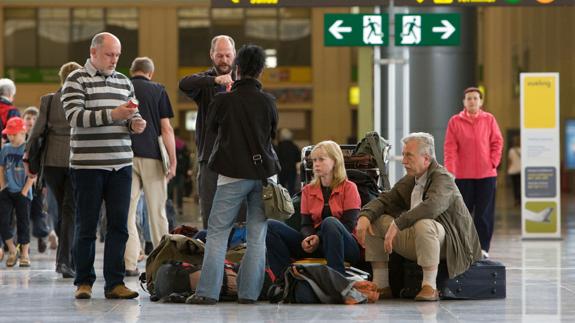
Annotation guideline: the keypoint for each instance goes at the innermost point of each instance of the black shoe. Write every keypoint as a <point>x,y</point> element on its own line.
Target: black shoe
<point>246,301</point>
<point>201,300</point>
<point>148,248</point>
<point>66,271</point>
<point>132,273</point>
<point>42,245</point>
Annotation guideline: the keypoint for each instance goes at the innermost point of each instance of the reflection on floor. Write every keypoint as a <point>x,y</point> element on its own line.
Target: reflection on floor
<point>540,288</point>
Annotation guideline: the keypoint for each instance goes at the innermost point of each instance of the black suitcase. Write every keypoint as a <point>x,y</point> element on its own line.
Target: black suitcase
<point>485,279</point>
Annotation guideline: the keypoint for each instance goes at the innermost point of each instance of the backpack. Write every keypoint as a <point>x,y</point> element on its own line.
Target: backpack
<point>175,281</point>
<point>366,185</point>
<point>172,247</point>
<point>375,145</point>
<point>314,283</point>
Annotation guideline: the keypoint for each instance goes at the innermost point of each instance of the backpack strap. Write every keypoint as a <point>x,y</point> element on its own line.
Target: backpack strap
<point>378,154</point>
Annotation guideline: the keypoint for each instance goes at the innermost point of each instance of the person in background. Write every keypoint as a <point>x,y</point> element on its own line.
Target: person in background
<point>329,208</point>
<point>39,219</point>
<point>514,168</point>
<point>202,87</point>
<point>289,156</point>
<point>244,122</point>
<point>16,193</point>
<point>7,108</point>
<point>148,171</point>
<point>472,148</point>
<point>57,169</point>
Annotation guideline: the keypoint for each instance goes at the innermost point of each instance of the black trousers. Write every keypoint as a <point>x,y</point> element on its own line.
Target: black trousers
<point>59,181</point>
<point>479,197</point>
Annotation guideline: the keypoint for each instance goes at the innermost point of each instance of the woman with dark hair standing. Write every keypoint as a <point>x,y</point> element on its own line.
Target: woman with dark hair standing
<point>473,146</point>
<point>245,121</point>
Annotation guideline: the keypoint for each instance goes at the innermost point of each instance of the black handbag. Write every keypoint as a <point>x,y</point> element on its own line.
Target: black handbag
<point>37,149</point>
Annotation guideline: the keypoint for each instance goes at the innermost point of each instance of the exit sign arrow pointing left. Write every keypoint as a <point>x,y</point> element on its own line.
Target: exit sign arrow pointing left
<point>447,29</point>
<point>336,29</point>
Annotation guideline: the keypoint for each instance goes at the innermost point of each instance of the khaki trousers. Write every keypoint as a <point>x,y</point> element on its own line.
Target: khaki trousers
<point>147,174</point>
<point>422,242</point>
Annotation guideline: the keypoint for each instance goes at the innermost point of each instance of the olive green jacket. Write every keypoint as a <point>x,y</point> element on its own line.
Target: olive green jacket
<point>442,202</point>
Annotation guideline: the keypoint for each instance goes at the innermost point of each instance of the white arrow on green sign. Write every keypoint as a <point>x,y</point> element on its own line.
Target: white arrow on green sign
<point>355,30</point>
<point>429,29</point>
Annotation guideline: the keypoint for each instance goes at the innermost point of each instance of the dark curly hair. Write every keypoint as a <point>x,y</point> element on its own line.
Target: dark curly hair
<point>250,60</point>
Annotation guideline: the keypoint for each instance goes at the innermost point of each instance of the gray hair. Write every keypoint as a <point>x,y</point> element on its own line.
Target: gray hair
<point>7,88</point>
<point>99,38</point>
<point>215,40</point>
<point>142,64</point>
<point>425,142</point>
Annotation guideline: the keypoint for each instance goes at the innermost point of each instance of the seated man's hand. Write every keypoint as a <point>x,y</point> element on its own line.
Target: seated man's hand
<point>138,125</point>
<point>310,243</point>
<point>363,226</point>
<point>389,236</point>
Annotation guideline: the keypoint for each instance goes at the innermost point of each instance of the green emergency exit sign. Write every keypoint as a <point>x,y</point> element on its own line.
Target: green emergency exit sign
<point>356,30</point>
<point>428,29</point>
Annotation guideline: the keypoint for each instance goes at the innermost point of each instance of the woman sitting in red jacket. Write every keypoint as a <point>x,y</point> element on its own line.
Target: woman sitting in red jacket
<point>330,205</point>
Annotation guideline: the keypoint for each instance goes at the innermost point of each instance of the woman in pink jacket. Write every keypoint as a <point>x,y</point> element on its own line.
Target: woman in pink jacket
<point>473,146</point>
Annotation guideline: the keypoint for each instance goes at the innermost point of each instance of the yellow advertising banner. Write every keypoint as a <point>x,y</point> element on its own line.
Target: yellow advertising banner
<point>540,102</point>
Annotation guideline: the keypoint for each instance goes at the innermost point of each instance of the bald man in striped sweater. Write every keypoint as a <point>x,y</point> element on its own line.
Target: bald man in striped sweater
<point>95,100</point>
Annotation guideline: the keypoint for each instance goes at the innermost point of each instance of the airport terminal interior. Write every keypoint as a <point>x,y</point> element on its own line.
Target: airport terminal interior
<point>328,91</point>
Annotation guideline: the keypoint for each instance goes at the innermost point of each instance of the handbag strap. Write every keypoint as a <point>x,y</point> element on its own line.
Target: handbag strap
<point>257,159</point>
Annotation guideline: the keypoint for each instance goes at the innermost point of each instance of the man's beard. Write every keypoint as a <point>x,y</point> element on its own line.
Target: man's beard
<point>222,72</point>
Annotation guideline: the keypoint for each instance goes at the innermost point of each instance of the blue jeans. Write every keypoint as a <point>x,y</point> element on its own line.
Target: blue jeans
<point>91,187</point>
<point>227,202</point>
<point>336,244</point>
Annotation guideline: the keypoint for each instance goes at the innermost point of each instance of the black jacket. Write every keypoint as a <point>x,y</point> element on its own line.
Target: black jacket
<point>232,155</point>
<point>202,88</point>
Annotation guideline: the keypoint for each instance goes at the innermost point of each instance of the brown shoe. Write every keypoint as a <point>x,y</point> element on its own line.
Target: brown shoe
<point>83,291</point>
<point>12,259</point>
<point>385,293</point>
<point>427,293</point>
<point>121,292</point>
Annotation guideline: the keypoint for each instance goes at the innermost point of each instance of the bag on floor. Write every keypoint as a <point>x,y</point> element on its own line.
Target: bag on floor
<point>485,279</point>
<point>172,247</point>
<point>319,284</point>
<point>175,281</point>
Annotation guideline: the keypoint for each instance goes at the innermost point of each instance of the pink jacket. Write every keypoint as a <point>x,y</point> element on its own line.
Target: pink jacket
<point>473,146</point>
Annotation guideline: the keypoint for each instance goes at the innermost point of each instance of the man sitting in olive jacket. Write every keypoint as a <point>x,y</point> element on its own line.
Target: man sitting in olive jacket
<point>423,218</point>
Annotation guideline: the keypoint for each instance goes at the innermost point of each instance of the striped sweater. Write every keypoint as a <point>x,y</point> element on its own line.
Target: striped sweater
<point>88,99</point>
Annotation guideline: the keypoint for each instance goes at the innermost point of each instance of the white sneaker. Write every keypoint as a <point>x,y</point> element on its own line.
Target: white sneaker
<point>484,254</point>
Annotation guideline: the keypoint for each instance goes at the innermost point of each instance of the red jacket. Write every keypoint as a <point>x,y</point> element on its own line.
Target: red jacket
<point>7,111</point>
<point>473,146</point>
<point>343,197</point>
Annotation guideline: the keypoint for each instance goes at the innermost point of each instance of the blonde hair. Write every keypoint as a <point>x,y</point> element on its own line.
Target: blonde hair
<point>333,152</point>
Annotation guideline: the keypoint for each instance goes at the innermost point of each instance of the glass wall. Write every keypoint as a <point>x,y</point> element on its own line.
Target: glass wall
<point>284,33</point>
<point>57,35</point>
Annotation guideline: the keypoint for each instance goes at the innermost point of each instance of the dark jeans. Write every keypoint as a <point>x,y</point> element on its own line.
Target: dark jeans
<point>207,184</point>
<point>39,218</point>
<point>91,187</point>
<point>336,244</point>
<point>8,202</point>
<point>60,183</point>
<point>479,197</point>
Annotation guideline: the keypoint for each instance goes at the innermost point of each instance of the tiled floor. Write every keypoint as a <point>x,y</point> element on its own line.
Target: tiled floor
<point>540,288</point>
